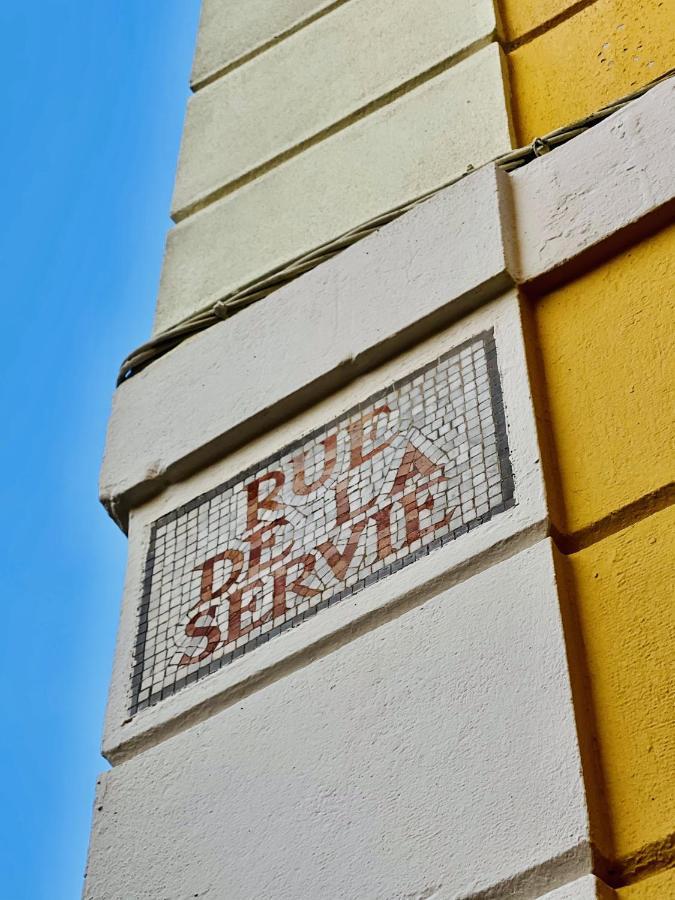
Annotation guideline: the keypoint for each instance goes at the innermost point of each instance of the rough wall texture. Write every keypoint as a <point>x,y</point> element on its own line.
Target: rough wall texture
<point>319,78</point>
<point>417,143</point>
<point>607,337</point>
<point>624,587</point>
<point>231,32</point>
<point>519,18</point>
<point>658,887</point>
<point>604,365</point>
<point>605,51</point>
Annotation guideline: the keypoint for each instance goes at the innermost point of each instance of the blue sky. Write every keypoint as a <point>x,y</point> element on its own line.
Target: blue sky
<point>93,97</point>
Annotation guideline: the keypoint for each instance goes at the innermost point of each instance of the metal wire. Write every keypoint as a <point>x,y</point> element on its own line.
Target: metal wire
<point>274,279</point>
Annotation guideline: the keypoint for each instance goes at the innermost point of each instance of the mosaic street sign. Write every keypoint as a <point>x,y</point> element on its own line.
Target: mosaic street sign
<point>405,472</point>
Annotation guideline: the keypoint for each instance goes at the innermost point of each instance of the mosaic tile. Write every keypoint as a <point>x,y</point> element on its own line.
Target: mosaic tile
<point>398,476</point>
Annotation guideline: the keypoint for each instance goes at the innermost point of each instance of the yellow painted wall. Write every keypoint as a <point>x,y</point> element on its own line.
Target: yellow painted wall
<point>624,589</point>
<point>603,354</point>
<point>608,346</point>
<point>658,887</point>
<point>597,55</point>
<point>518,17</point>
<point>606,397</point>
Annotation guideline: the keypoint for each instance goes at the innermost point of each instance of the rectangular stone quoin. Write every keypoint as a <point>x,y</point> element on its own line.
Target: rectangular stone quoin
<point>416,144</point>
<point>316,78</point>
<point>230,30</point>
<point>401,474</point>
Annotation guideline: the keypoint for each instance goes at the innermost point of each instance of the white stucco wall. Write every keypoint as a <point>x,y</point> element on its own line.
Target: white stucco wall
<point>434,755</point>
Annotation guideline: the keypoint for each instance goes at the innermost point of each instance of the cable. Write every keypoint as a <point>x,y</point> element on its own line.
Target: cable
<point>274,279</point>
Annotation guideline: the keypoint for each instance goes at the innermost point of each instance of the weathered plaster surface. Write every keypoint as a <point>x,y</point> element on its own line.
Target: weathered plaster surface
<point>433,756</point>
<point>608,337</point>
<point>658,887</point>
<point>519,17</point>
<point>230,30</point>
<point>624,588</point>
<point>591,188</point>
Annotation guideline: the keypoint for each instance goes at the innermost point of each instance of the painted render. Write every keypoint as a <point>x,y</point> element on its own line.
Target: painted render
<point>607,50</point>
<point>623,589</point>
<point>594,335</point>
<point>521,17</point>
<point>655,888</point>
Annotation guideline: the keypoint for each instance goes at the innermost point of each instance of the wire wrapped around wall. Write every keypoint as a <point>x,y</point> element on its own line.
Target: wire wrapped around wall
<point>255,290</point>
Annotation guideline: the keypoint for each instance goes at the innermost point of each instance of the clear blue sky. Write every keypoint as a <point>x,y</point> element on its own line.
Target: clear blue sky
<point>93,96</point>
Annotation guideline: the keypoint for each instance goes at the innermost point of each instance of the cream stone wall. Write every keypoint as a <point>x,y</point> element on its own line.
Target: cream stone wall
<point>231,31</point>
<point>346,63</point>
<point>310,118</point>
<point>416,144</point>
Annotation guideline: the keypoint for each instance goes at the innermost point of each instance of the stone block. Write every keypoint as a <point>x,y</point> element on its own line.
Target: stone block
<point>435,753</point>
<point>321,75</point>
<point>414,145</point>
<point>590,190</point>
<point>519,17</point>
<point>230,30</point>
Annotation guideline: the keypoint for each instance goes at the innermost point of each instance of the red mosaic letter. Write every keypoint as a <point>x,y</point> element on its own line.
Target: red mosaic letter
<point>253,502</point>
<point>300,486</point>
<point>413,465</point>
<point>340,562</point>
<point>210,632</point>
<point>281,586</point>
<point>382,519</point>
<point>237,607</point>
<point>357,436</point>
<point>206,592</point>
<point>259,543</point>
